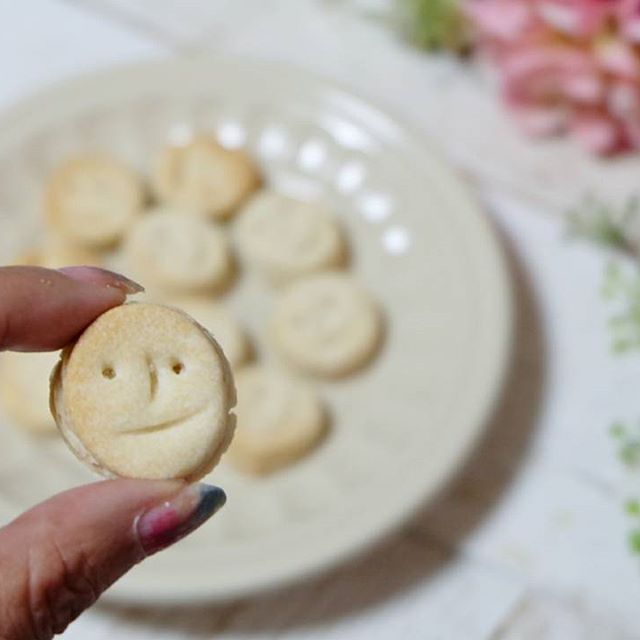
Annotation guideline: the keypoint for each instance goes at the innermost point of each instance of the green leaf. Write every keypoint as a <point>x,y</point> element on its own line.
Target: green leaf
<point>627,444</point>
<point>630,454</point>
<point>434,24</point>
<point>604,225</point>
<point>634,541</point>
<point>617,430</point>
<point>632,507</point>
<point>622,290</point>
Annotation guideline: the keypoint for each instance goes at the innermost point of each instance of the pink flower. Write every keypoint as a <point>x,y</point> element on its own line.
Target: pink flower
<point>502,19</point>
<point>628,15</point>
<point>597,132</point>
<point>540,121</point>
<point>567,66</point>
<point>580,18</point>
<point>547,74</point>
<point>623,100</point>
<point>618,57</point>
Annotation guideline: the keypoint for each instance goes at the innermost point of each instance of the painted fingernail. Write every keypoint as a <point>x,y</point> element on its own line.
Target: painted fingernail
<point>164,525</point>
<point>104,277</point>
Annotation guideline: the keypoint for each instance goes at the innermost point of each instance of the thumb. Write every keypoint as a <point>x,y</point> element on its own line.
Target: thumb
<point>57,558</point>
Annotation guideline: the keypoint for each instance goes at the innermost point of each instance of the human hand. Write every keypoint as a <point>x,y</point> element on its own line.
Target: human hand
<point>57,558</point>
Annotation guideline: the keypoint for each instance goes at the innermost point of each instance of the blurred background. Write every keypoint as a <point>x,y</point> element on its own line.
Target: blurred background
<point>536,106</point>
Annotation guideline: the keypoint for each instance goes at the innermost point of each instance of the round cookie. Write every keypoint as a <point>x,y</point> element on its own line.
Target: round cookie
<point>24,380</point>
<point>92,200</point>
<point>280,419</point>
<point>326,325</point>
<point>226,330</point>
<point>287,238</point>
<point>179,253</point>
<point>204,177</point>
<point>145,392</point>
<point>54,253</point>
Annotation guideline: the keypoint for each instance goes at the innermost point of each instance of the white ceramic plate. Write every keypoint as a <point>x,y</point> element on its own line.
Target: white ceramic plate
<point>420,243</point>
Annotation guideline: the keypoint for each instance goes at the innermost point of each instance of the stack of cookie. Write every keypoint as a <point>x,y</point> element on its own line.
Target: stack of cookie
<point>185,236</point>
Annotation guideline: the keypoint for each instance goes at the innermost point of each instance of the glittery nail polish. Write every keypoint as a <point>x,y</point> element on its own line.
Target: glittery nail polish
<point>165,524</point>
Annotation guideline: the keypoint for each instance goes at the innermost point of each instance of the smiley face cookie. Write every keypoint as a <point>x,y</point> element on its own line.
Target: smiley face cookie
<point>24,380</point>
<point>92,200</point>
<point>145,392</point>
<point>204,178</point>
<point>326,325</point>
<point>54,253</point>
<point>287,238</point>
<point>280,419</point>
<point>178,253</point>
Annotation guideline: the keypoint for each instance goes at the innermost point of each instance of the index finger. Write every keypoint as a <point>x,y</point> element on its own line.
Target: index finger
<point>44,309</point>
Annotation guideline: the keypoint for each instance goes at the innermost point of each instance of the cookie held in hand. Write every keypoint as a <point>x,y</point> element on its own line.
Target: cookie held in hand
<point>145,392</point>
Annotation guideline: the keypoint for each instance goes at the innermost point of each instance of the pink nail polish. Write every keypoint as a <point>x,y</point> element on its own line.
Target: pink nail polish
<point>165,524</point>
<point>103,277</point>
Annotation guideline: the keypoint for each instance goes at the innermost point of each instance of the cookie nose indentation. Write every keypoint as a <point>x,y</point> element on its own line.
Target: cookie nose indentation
<point>108,372</point>
<point>153,379</point>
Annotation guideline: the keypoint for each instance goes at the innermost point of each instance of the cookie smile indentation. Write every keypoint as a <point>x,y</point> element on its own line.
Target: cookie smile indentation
<point>160,426</point>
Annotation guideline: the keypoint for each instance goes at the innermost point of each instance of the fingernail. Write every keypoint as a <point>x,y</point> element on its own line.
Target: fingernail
<point>104,277</point>
<point>165,524</point>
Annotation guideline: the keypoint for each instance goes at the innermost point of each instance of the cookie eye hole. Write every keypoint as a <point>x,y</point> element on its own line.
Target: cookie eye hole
<point>177,368</point>
<point>108,372</point>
